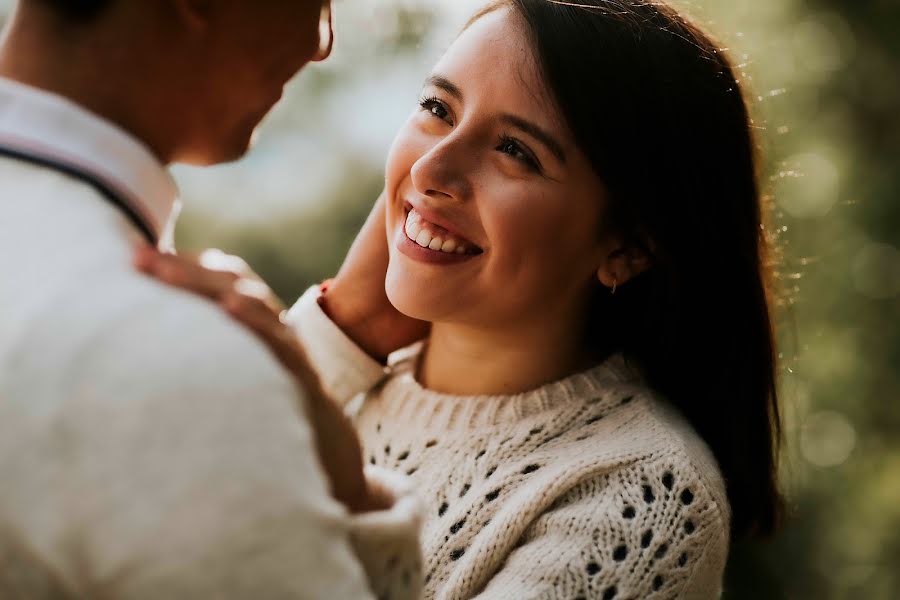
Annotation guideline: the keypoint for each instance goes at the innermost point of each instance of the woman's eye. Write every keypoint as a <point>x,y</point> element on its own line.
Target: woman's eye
<point>435,107</point>
<point>513,148</point>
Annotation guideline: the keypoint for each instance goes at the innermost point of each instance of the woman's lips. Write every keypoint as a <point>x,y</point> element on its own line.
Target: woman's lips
<point>434,237</point>
<point>424,241</point>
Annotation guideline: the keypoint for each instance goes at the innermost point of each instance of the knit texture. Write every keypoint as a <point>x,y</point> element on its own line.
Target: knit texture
<point>592,487</point>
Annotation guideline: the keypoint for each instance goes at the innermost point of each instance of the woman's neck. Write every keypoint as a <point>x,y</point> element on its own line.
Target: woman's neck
<point>468,361</point>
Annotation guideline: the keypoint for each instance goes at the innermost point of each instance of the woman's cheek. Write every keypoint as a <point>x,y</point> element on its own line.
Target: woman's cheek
<point>523,218</point>
<point>405,151</point>
<point>392,166</point>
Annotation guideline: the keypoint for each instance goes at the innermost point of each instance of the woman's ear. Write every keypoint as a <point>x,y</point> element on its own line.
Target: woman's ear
<point>622,264</point>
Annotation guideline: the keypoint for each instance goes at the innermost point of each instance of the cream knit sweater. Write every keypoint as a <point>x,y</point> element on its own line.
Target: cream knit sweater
<point>591,487</point>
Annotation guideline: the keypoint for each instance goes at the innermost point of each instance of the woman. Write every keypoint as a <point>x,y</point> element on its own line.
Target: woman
<point>574,209</point>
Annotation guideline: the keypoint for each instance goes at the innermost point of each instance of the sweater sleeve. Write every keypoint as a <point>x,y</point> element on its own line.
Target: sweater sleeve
<point>344,368</point>
<point>648,531</point>
<point>387,542</point>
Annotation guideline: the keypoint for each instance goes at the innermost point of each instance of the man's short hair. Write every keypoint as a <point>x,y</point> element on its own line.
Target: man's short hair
<point>80,11</point>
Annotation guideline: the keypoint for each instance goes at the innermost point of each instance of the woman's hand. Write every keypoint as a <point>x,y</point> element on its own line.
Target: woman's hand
<point>356,300</point>
<point>228,281</point>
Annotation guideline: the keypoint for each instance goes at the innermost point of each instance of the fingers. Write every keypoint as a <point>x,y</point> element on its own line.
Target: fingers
<point>256,288</point>
<point>216,260</point>
<point>215,275</point>
<point>247,299</point>
<point>253,312</point>
<point>185,274</point>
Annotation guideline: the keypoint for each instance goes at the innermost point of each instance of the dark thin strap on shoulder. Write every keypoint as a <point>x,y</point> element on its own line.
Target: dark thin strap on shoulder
<point>89,179</point>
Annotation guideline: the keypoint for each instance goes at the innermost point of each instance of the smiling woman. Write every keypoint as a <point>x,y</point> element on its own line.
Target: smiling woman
<point>563,166</point>
<point>587,417</point>
<point>618,149</point>
<point>488,155</point>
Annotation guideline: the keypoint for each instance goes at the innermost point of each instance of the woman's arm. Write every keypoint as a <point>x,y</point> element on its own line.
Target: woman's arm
<point>356,299</point>
<point>229,282</point>
<point>344,369</point>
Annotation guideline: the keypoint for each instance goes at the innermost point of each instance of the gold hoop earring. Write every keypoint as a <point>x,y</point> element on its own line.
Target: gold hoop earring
<point>615,284</point>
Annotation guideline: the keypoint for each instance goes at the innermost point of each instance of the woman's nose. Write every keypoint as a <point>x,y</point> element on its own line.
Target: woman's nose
<point>444,170</point>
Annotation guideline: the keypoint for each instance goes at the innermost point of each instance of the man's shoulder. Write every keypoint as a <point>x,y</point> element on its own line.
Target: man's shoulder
<point>120,328</point>
<point>136,368</point>
<point>173,330</point>
<point>32,177</point>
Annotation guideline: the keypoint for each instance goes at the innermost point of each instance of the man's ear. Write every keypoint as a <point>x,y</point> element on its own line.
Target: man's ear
<point>625,262</point>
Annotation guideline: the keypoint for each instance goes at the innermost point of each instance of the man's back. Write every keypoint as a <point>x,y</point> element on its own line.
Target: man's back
<point>149,447</point>
<point>131,415</point>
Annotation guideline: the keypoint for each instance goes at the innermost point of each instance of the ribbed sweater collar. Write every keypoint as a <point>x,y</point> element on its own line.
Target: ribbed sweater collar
<point>413,403</point>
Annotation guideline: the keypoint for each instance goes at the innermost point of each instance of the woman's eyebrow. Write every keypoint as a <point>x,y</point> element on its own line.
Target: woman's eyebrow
<point>524,125</point>
<point>446,85</point>
<point>537,133</point>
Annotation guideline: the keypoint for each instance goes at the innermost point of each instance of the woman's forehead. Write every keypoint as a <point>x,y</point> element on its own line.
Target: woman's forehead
<point>493,59</point>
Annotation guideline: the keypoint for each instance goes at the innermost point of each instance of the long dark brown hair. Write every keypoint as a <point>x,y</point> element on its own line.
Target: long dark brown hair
<point>655,105</point>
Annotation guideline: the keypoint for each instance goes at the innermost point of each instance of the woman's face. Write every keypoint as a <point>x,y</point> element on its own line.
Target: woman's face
<point>493,214</point>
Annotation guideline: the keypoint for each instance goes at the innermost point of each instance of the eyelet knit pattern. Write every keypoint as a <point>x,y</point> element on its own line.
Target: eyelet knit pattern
<point>587,488</point>
<point>592,487</point>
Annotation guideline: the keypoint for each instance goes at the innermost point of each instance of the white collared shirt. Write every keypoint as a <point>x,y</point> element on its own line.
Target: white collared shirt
<point>149,446</point>
<point>51,127</point>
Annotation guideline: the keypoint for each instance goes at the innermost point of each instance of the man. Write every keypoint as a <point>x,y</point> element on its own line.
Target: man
<point>149,447</point>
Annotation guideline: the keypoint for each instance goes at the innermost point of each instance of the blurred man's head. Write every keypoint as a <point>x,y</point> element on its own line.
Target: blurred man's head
<point>193,78</point>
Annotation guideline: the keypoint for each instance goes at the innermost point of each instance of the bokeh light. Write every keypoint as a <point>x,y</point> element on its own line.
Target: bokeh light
<point>810,186</point>
<point>827,438</point>
<point>876,271</point>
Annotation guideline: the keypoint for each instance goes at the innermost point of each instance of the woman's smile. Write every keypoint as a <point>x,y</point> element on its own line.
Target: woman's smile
<point>426,241</point>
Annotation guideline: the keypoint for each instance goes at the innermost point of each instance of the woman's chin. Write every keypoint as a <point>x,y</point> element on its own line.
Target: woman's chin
<point>410,298</point>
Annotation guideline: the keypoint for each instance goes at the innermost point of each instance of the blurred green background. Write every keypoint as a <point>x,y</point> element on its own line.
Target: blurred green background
<point>824,76</point>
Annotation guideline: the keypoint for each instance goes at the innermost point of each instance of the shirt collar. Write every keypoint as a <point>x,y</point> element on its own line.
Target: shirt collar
<point>48,126</point>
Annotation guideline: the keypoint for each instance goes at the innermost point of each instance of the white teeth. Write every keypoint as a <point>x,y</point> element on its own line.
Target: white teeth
<point>416,230</point>
<point>424,238</point>
<point>412,230</point>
